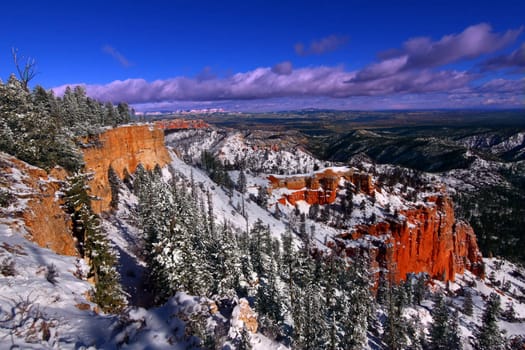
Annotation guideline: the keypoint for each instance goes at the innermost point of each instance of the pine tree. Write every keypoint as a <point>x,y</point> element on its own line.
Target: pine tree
<point>114,184</point>
<point>468,305</point>
<point>311,330</point>
<point>225,263</point>
<point>268,299</point>
<point>420,288</point>
<point>439,330</point>
<point>262,196</point>
<point>488,335</point>
<point>30,132</point>
<point>94,245</point>
<point>123,112</point>
<point>243,342</point>
<point>277,213</point>
<point>394,328</point>
<point>509,313</point>
<point>454,333</point>
<point>241,182</point>
<point>155,209</point>
<point>355,308</point>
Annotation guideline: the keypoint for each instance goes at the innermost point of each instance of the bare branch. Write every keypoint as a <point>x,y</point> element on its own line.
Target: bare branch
<point>27,72</point>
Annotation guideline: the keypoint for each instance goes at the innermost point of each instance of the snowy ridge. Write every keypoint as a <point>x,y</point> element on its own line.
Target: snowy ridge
<point>257,151</point>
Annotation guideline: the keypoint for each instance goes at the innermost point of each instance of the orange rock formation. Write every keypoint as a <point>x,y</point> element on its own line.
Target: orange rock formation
<point>247,315</point>
<point>321,187</point>
<point>48,225</point>
<point>122,148</point>
<point>429,240</point>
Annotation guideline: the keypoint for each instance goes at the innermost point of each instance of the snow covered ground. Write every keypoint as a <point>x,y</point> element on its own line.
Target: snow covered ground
<point>43,295</point>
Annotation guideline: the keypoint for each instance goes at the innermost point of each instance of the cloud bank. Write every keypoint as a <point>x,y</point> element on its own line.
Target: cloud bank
<point>418,69</point>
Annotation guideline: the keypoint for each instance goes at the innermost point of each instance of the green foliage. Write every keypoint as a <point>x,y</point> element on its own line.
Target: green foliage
<point>444,332</point>
<point>468,305</point>
<point>40,128</point>
<point>114,184</point>
<point>241,182</point>
<point>93,244</point>
<point>30,131</point>
<point>488,335</point>
<point>183,248</point>
<point>498,231</point>
<point>6,198</point>
<point>216,170</point>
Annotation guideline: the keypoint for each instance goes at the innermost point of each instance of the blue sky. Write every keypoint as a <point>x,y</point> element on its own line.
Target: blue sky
<point>274,55</point>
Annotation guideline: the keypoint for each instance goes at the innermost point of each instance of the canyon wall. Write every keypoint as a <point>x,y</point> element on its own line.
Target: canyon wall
<point>40,209</point>
<point>45,220</point>
<point>122,148</point>
<point>424,239</point>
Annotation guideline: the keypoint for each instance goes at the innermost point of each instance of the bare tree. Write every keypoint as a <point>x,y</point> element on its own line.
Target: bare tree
<point>26,70</point>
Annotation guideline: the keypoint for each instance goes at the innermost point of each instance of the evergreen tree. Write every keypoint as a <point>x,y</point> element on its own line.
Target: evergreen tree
<point>262,196</point>
<point>94,245</point>
<point>225,263</point>
<point>454,333</point>
<point>243,342</point>
<point>356,303</point>
<point>509,313</point>
<point>420,288</point>
<point>439,331</point>
<point>394,328</point>
<point>30,132</point>
<point>114,184</point>
<point>268,300</point>
<point>468,305</point>
<point>241,182</point>
<point>277,213</point>
<point>124,115</point>
<point>488,335</point>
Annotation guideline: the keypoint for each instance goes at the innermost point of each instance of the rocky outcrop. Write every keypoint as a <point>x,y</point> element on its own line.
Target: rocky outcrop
<point>122,148</point>
<point>35,193</point>
<point>244,316</point>
<point>424,239</point>
<point>321,187</point>
<point>320,197</point>
<point>178,124</point>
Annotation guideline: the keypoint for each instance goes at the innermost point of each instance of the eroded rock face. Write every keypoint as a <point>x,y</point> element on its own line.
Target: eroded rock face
<point>122,148</point>
<point>321,187</point>
<point>243,312</point>
<point>46,222</point>
<point>425,239</point>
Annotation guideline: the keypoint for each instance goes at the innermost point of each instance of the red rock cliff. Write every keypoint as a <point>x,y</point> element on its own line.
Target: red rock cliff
<point>429,240</point>
<point>47,224</point>
<point>321,187</point>
<point>123,148</point>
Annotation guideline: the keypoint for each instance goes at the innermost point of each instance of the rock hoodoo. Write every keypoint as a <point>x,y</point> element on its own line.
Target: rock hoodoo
<point>321,187</point>
<point>424,239</point>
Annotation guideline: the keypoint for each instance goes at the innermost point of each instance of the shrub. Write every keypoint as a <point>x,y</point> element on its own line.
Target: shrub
<point>7,267</point>
<point>52,274</point>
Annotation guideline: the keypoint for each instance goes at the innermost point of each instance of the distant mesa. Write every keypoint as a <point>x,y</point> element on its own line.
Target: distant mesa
<point>177,124</point>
